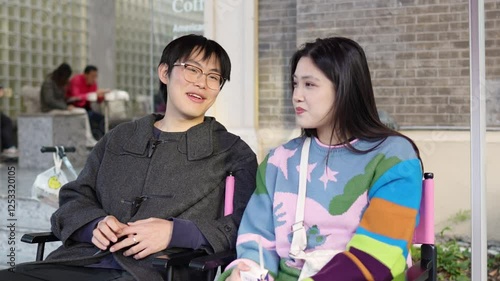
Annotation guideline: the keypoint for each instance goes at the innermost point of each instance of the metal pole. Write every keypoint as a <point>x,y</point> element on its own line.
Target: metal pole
<point>151,57</point>
<point>477,144</point>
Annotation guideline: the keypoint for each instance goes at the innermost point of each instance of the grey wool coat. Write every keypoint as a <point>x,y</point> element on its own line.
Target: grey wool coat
<point>52,96</point>
<point>182,173</point>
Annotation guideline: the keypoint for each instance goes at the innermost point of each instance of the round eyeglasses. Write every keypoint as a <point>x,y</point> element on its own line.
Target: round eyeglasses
<point>192,73</point>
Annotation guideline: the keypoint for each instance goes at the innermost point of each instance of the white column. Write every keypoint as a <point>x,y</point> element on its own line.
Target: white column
<point>477,130</point>
<point>232,23</point>
<point>102,42</point>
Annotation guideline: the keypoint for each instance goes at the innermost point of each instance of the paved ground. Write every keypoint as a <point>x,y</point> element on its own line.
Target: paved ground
<point>29,214</point>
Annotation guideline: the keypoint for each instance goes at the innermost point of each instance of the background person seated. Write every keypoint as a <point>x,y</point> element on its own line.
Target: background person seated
<point>53,96</point>
<point>53,91</point>
<point>79,87</point>
<point>9,149</point>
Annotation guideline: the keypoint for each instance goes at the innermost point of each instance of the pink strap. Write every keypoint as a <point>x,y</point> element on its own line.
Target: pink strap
<point>229,195</point>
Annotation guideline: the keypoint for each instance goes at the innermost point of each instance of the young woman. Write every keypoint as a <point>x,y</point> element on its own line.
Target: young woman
<point>362,179</point>
<point>157,182</point>
<point>54,88</point>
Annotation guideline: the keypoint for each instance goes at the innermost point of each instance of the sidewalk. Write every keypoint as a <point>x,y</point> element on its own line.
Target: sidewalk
<point>29,214</point>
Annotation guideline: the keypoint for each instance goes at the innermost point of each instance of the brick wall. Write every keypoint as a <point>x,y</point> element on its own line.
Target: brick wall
<point>277,42</point>
<point>418,53</point>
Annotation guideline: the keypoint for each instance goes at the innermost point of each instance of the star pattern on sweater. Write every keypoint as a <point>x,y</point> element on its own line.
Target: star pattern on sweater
<point>329,175</point>
<point>310,168</point>
<point>280,159</point>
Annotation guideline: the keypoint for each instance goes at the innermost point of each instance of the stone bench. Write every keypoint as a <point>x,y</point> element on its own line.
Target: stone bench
<point>43,129</point>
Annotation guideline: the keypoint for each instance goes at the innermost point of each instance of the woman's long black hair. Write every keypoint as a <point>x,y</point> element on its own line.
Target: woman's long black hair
<point>61,75</point>
<point>355,114</point>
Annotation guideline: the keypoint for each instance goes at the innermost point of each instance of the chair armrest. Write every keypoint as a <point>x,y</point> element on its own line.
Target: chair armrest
<point>417,272</point>
<point>39,237</point>
<point>426,268</point>
<point>213,261</point>
<point>177,257</point>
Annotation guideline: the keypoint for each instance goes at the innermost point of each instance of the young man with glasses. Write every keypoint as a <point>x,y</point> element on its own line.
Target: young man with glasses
<point>157,182</point>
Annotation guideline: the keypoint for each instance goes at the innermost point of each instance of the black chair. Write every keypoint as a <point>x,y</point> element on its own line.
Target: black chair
<point>176,257</point>
<point>195,260</point>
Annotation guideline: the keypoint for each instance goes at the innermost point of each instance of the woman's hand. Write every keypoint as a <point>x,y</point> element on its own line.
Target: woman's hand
<point>235,274</point>
<point>146,237</point>
<point>107,232</point>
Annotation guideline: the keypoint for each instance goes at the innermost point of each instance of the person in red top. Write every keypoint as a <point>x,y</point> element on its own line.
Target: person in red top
<point>77,94</point>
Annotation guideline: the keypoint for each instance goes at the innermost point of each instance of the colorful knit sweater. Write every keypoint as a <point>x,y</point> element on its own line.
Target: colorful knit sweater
<point>364,205</point>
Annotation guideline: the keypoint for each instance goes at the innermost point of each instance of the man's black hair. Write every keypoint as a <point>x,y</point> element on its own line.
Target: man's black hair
<point>89,68</point>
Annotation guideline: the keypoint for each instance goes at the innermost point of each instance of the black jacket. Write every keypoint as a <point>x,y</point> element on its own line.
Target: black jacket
<point>190,167</point>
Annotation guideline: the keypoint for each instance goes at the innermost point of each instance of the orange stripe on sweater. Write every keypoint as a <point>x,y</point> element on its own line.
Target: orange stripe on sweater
<point>368,276</point>
<point>389,219</point>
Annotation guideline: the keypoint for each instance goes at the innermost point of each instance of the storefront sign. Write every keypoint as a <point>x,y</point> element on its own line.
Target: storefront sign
<point>186,6</point>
